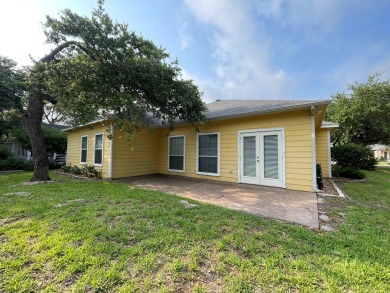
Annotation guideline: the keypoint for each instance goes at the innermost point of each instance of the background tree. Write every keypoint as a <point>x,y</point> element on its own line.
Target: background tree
<point>99,69</point>
<point>12,88</point>
<point>55,140</point>
<point>363,113</point>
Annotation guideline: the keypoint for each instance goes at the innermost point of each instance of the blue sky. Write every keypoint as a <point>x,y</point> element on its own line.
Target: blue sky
<point>236,49</point>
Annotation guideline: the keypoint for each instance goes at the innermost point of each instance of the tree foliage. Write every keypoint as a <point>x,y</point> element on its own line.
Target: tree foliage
<point>12,88</point>
<point>363,113</point>
<point>11,85</point>
<point>99,69</point>
<point>108,70</point>
<point>55,140</point>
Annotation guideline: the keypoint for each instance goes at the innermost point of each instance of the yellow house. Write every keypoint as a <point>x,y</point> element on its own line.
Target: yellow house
<point>265,142</point>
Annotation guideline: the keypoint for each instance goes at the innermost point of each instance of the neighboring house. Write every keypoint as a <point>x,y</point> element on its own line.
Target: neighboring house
<point>265,142</point>
<point>22,153</point>
<point>381,152</point>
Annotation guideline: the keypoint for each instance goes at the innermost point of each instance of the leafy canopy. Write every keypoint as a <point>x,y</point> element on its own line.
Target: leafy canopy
<point>100,69</point>
<point>55,140</point>
<point>11,85</point>
<point>11,93</point>
<point>363,114</point>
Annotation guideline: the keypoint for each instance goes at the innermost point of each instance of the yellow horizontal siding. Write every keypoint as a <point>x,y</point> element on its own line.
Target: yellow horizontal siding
<point>140,159</point>
<point>322,150</point>
<point>74,147</point>
<point>297,126</point>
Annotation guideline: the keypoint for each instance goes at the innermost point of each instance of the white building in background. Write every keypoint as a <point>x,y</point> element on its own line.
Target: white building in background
<point>381,152</point>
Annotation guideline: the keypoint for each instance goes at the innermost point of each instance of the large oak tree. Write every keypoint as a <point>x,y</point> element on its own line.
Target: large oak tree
<point>98,69</point>
<point>363,113</point>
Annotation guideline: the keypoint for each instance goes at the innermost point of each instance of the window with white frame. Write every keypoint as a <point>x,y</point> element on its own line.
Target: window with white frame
<point>84,149</point>
<point>176,153</point>
<point>98,157</point>
<point>208,154</point>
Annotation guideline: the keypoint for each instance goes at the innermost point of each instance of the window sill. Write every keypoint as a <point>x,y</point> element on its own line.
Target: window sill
<point>208,174</point>
<point>179,171</point>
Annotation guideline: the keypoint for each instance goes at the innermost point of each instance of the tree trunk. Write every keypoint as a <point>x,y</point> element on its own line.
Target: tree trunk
<point>38,147</point>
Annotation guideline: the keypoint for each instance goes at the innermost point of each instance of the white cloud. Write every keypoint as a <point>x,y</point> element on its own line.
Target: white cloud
<point>241,52</point>
<point>21,26</point>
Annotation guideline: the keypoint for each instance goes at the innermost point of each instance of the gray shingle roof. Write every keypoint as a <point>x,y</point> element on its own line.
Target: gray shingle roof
<point>225,109</point>
<point>236,108</point>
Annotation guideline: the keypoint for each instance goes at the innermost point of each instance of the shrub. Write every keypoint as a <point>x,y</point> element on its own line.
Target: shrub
<point>15,164</point>
<point>66,168</point>
<point>75,170</point>
<point>347,172</point>
<point>5,153</point>
<point>54,165</point>
<point>89,171</point>
<point>354,156</point>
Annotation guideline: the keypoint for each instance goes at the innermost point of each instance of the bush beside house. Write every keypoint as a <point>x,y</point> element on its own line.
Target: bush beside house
<point>350,159</point>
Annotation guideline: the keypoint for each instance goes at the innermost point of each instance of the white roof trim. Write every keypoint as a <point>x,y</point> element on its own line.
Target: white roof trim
<point>329,125</point>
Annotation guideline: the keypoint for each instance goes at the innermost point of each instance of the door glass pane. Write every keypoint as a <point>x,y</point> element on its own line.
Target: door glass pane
<point>271,160</point>
<point>250,156</point>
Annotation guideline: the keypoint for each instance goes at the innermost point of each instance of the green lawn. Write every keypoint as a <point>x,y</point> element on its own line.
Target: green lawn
<point>77,235</point>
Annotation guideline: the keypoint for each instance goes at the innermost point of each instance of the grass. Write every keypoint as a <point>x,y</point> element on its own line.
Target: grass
<point>98,236</point>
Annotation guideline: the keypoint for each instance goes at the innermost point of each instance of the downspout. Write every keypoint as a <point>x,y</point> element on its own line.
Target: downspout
<point>313,147</point>
<point>329,157</point>
<point>110,170</point>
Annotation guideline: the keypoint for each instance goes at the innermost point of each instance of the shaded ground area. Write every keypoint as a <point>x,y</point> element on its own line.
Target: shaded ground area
<point>287,205</point>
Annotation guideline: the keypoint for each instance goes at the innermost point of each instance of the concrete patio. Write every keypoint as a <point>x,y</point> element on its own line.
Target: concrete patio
<point>277,203</point>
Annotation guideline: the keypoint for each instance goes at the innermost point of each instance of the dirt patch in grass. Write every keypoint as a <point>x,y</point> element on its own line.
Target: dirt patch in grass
<point>9,221</point>
<point>331,211</point>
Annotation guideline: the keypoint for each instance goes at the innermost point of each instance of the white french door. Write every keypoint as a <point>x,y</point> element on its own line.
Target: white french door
<point>261,157</point>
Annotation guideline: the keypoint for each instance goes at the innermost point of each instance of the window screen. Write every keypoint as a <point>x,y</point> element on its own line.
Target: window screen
<point>98,149</point>
<point>176,153</point>
<point>208,153</point>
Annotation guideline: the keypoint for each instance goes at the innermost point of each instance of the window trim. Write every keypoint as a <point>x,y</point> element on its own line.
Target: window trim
<point>218,154</point>
<point>94,149</point>
<point>81,150</point>
<point>184,153</point>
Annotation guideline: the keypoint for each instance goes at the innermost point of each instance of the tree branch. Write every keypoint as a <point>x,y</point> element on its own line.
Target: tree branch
<point>48,98</point>
<point>51,56</point>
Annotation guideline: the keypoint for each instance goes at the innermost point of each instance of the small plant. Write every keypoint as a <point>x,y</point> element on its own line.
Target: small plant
<point>75,170</point>
<point>66,168</point>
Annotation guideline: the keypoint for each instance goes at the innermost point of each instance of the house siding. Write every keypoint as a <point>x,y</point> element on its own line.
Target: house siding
<point>74,147</point>
<point>322,150</point>
<point>139,158</point>
<point>298,160</point>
